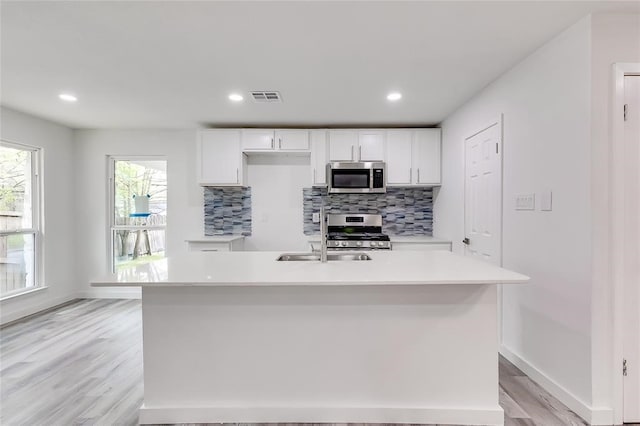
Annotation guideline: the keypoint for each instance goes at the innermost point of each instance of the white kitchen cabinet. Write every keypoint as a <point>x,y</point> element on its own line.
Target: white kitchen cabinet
<point>275,140</point>
<point>292,140</point>
<point>399,157</point>
<point>220,161</point>
<point>356,145</point>
<point>426,157</point>
<point>217,243</point>
<point>371,145</point>
<point>318,157</point>
<point>413,157</point>
<point>420,246</point>
<point>342,145</point>
<point>258,139</point>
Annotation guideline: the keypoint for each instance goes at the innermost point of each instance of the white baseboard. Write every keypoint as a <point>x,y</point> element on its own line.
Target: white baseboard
<point>592,415</point>
<point>111,293</point>
<point>28,308</point>
<point>468,416</point>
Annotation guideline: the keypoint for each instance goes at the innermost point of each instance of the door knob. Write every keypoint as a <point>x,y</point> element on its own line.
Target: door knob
<point>466,241</point>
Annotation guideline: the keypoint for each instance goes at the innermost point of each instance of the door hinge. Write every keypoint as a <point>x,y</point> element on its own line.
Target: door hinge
<point>626,107</point>
<point>624,367</point>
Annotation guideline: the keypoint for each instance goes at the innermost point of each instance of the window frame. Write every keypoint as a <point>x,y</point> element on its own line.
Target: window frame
<point>112,228</point>
<point>36,219</point>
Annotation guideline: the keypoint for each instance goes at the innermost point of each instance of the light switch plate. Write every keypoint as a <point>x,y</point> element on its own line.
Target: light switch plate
<point>316,218</point>
<point>546,199</point>
<point>526,202</point>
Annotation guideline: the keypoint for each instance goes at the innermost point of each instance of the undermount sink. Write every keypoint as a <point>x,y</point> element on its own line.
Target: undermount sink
<point>296,257</point>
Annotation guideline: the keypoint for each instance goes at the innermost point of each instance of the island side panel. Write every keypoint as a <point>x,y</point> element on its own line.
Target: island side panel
<point>390,354</point>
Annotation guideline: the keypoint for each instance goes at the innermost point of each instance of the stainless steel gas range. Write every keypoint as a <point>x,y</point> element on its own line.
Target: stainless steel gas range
<point>356,231</point>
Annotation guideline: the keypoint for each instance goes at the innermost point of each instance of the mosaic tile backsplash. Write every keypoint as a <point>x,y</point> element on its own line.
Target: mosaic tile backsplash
<point>227,211</point>
<point>405,211</point>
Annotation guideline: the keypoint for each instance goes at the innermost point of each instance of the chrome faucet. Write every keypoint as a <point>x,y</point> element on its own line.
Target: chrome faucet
<point>323,235</point>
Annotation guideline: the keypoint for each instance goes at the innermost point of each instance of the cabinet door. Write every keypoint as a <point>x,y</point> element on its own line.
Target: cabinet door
<point>427,156</point>
<point>371,145</point>
<point>342,145</point>
<point>220,157</point>
<point>292,140</point>
<point>399,157</point>
<point>319,157</point>
<point>257,139</point>
<point>421,246</point>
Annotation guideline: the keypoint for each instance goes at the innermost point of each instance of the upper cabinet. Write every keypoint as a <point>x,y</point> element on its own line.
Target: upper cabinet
<point>318,157</point>
<point>342,145</point>
<point>275,140</point>
<point>356,145</point>
<point>399,158</point>
<point>427,157</point>
<point>413,157</point>
<point>371,145</point>
<point>292,140</point>
<point>220,160</point>
<point>258,139</point>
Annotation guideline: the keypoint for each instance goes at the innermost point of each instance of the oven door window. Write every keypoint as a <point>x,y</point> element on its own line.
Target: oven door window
<point>350,179</point>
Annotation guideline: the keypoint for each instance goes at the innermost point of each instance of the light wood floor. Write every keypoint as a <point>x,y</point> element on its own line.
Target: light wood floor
<point>82,364</point>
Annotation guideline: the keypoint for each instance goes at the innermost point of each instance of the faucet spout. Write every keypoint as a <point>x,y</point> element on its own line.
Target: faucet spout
<point>323,235</point>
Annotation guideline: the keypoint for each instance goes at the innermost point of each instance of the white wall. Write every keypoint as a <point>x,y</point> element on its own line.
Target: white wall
<point>59,218</point>
<point>615,38</point>
<point>546,105</point>
<point>185,199</point>
<point>276,202</point>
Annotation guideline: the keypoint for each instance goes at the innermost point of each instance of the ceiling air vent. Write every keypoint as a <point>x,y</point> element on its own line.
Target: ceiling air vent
<point>264,96</point>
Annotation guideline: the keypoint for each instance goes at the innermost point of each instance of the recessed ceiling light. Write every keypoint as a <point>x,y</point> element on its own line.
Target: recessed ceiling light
<point>67,97</point>
<point>394,96</point>
<point>235,97</point>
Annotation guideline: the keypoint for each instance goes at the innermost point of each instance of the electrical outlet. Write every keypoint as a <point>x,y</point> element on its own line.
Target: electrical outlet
<point>316,218</point>
<point>526,202</point>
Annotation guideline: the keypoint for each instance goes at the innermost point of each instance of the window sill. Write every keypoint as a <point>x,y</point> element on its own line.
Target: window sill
<point>23,293</point>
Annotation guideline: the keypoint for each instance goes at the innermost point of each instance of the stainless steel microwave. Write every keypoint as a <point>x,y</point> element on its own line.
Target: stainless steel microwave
<point>346,177</point>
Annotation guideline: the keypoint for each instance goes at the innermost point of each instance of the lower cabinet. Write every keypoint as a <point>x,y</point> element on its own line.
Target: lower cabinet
<point>235,244</point>
<point>419,246</point>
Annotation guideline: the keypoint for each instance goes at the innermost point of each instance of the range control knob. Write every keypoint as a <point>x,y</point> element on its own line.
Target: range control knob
<point>343,243</point>
<point>359,243</point>
<point>373,243</point>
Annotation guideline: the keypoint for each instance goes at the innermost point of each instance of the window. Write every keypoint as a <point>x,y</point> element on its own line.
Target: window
<point>19,219</point>
<point>138,211</point>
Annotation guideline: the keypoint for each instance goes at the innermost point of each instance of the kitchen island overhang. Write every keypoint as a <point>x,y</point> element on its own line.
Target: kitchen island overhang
<point>283,342</point>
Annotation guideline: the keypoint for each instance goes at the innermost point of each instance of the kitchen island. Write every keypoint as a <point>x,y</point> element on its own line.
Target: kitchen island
<point>238,337</point>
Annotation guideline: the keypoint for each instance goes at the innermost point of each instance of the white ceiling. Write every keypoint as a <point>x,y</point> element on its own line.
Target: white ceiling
<point>173,64</point>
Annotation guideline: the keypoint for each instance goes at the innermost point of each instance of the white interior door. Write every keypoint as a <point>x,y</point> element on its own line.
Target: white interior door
<point>631,322</point>
<point>483,195</point>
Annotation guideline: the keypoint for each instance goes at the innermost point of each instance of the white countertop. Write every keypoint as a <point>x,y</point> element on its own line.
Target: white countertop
<point>420,239</point>
<point>262,269</point>
<point>216,239</point>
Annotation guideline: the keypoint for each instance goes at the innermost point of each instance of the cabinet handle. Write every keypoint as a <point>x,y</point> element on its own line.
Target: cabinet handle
<point>314,175</point>
<point>272,144</point>
<point>418,181</point>
<point>410,174</point>
<point>360,153</point>
<point>351,152</point>
<point>237,175</point>
<point>280,143</point>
